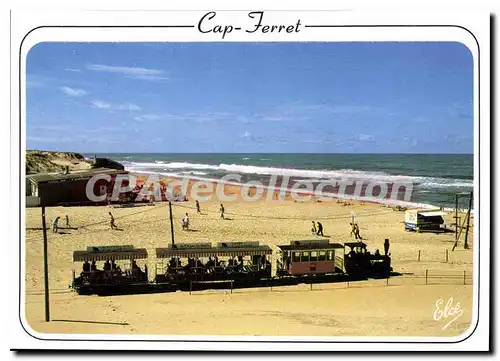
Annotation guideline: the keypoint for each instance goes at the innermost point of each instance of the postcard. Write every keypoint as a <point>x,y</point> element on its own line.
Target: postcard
<point>250,180</point>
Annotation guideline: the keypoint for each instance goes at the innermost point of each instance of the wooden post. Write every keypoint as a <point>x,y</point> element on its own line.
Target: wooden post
<point>456,223</point>
<point>426,275</point>
<point>387,281</point>
<point>231,286</point>
<point>466,245</point>
<point>464,276</point>
<point>446,255</point>
<point>171,222</point>
<point>456,217</point>
<point>190,286</point>
<point>311,286</point>
<point>45,266</point>
<point>347,283</point>
<point>419,255</point>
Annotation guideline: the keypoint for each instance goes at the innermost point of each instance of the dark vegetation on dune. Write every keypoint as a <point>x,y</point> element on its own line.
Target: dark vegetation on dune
<point>39,161</point>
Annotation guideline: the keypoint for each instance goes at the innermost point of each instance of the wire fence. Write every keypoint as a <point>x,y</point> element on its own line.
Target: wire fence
<point>425,278</point>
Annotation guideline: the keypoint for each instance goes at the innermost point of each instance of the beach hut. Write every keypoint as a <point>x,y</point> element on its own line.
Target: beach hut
<point>50,189</point>
<point>423,219</point>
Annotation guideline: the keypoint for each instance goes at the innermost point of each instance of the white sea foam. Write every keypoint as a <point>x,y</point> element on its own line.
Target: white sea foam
<point>306,175</point>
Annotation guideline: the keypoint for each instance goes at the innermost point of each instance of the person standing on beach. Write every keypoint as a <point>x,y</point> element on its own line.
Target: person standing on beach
<point>386,247</point>
<point>67,222</point>
<point>112,222</point>
<point>198,207</point>
<point>222,211</point>
<point>320,230</point>
<point>313,229</point>
<point>185,222</point>
<point>55,227</point>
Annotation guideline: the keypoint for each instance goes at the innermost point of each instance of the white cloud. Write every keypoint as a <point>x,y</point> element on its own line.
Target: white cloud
<point>73,92</point>
<point>73,70</point>
<point>124,70</point>
<point>104,105</point>
<point>100,104</point>
<point>149,77</point>
<point>131,72</point>
<point>148,117</point>
<point>365,137</point>
<point>273,119</point>
<point>246,135</point>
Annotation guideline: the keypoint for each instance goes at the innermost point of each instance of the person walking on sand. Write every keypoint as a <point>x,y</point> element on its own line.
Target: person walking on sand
<point>55,227</point>
<point>67,222</point>
<point>353,230</point>
<point>313,229</point>
<point>222,211</point>
<point>356,231</point>
<point>185,222</point>
<point>112,222</point>
<point>320,230</point>
<point>198,207</point>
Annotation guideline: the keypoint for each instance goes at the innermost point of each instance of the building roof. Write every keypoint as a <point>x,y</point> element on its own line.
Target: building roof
<point>355,244</point>
<point>61,177</point>
<point>310,245</point>
<point>110,252</point>
<point>208,251</point>
<point>433,214</point>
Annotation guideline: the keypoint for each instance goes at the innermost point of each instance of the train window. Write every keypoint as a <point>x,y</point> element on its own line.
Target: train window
<point>314,256</point>
<point>296,257</point>
<point>322,256</point>
<point>330,255</point>
<point>305,257</point>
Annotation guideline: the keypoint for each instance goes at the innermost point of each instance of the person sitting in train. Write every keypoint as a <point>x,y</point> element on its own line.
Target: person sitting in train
<point>377,253</point>
<point>107,266</point>
<point>113,265</point>
<point>172,263</point>
<point>93,267</point>
<point>86,266</point>
<point>210,263</point>
<point>263,260</point>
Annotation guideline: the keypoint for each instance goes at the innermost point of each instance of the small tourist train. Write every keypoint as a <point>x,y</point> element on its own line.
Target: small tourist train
<point>124,269</point>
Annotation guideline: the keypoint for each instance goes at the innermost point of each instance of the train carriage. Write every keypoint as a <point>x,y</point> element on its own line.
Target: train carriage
<point>310,257</point>
<point>120,271</point>
<point>181,263</point>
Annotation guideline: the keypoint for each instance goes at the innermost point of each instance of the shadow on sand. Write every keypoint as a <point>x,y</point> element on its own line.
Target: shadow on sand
<point>187,286</point>
<point>95,322</point>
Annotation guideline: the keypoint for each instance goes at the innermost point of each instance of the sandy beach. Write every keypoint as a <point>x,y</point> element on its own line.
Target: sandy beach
<point>401,306</point>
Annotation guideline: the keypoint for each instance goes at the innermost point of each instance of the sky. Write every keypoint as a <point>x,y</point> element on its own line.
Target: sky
<point>405,97</point>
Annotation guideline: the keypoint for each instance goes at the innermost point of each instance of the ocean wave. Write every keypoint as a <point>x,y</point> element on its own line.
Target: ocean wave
<point>306,175</point>
<point>193,173</point>
<point>383,201</point>
<point>432,183</point>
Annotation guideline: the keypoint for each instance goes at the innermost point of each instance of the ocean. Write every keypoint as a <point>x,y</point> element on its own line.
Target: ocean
<point>436,178</point>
